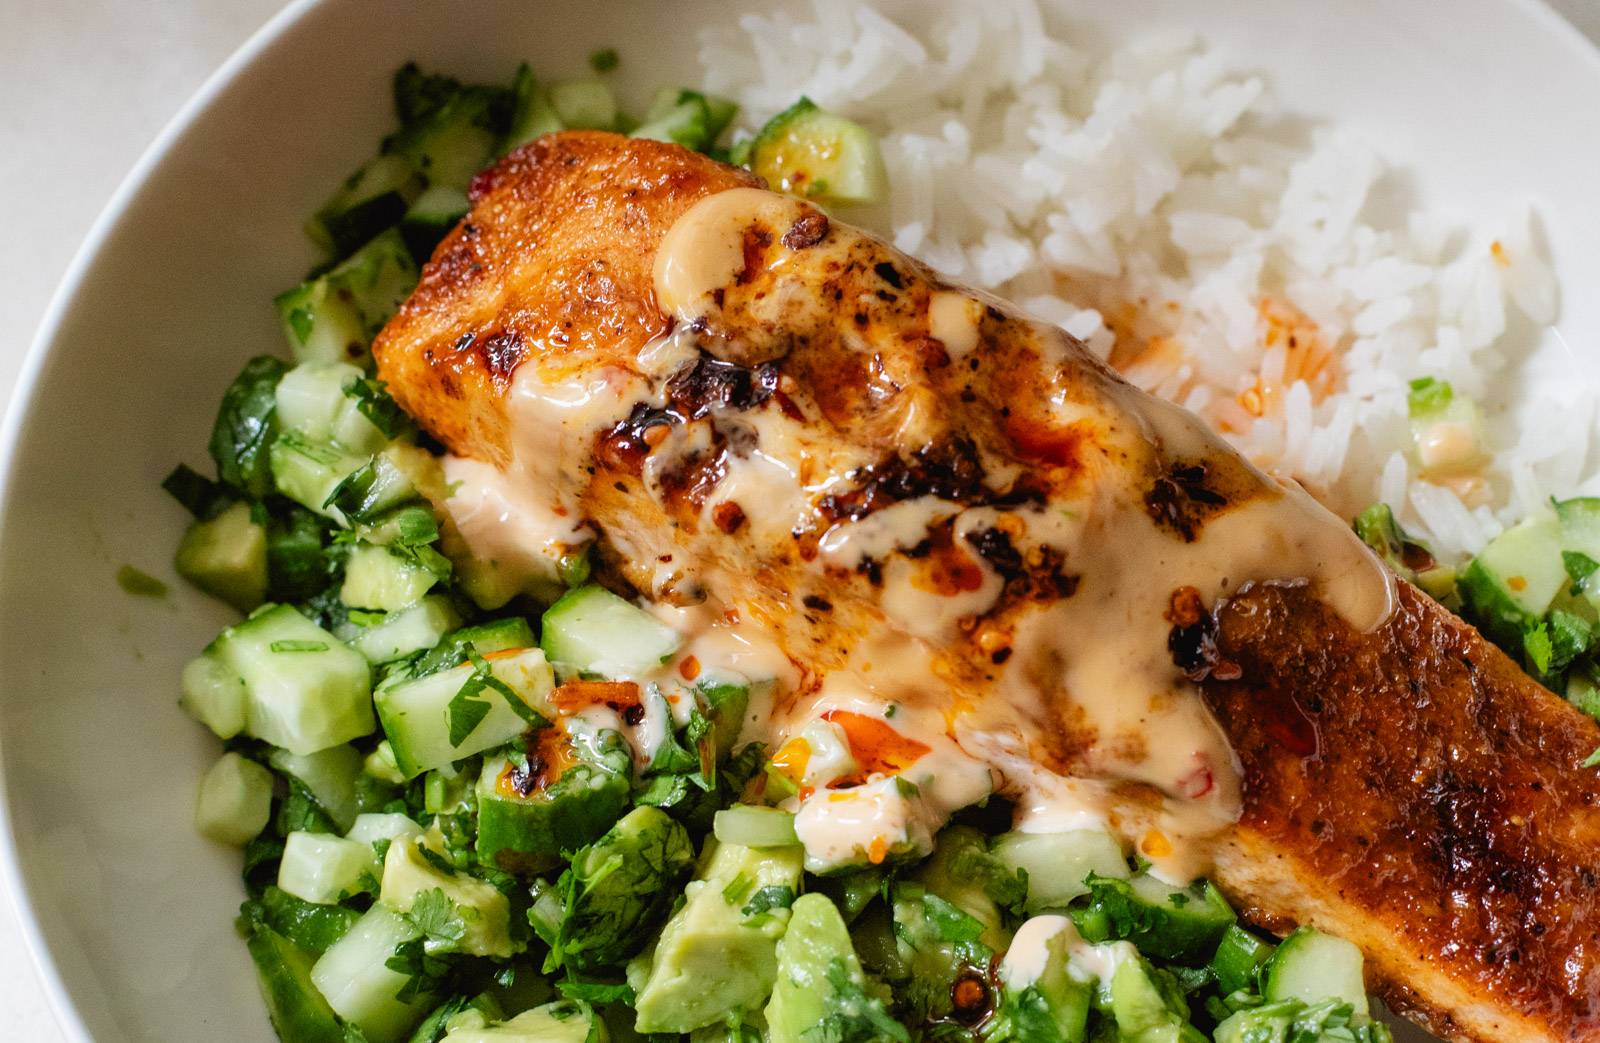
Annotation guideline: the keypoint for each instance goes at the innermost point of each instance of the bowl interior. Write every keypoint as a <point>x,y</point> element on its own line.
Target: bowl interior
<point>135,910</point>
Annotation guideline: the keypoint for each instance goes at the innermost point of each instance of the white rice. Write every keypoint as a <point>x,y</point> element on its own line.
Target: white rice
<point>1149,200</point>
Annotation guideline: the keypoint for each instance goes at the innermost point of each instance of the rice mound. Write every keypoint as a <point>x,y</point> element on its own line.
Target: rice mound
<point>1153,202</point>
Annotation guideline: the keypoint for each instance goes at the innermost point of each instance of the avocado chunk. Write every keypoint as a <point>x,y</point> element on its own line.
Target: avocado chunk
<point>566,793</point>
<point>226,557</point>
<point>561,1022</point>
<point>485,912</point>
<point>614,893</point>
<point>1149,1007</point>
<point>1040,1002</point>
<point>820,991</point>
<point>718,954</point>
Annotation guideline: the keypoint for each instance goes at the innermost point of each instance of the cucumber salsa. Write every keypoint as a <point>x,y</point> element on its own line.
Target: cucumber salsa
<point>470,816</point>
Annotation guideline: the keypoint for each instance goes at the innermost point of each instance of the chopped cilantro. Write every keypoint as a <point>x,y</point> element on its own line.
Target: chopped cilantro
<point>604,60</point>
<point>773,896</point>
<point>854,1015</point>
<point>1428,395</point>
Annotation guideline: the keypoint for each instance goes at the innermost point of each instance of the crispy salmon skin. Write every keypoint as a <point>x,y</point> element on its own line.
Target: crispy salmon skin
<point>1416,792</point>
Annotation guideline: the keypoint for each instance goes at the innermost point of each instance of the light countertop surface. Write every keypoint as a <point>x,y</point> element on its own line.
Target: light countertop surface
<point>87,85</point>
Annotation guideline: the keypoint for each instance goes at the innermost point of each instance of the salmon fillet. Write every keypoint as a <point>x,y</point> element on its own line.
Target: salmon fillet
<point>1403,785</point>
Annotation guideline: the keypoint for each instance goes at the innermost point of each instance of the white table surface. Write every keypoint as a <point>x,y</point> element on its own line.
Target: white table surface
<point>86,85</point>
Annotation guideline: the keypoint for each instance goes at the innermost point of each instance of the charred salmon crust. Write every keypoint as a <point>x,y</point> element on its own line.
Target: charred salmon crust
<point>544,264</point>
<point>1414,791</point>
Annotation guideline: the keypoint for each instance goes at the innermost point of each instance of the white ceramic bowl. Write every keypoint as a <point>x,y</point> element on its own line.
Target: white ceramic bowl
<point>129,913</point>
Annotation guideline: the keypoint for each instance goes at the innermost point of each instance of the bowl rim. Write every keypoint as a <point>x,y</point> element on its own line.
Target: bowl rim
<point>20,400</point>
<point>18,408</point>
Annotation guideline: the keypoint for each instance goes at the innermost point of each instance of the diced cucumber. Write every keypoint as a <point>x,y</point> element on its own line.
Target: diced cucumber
<point>305,691</point>
<point>818,976</point>
<point>818,155</point>
<point>312,400</point>
<point>353,977</point>
<point>594,631</point>
<point>752,826</point>
<point>297,1009</point>
<point>372,199</point>
<point>407,873</point>
<point>431,217</point>
<point>381,766</point>
<point>377,578</point>
<point>332,317</point>
<point>689,118</point>
<point>560,1022</point>
<point>946,875</point>
<point>226,557</point>
<point>1174,923</point>
<point>1238,959</point>
<point>322,322</point>
<point>235,800</point>
<point>322,868</point>
<point>372,489</point>
<point>308,472</point>
<point>308,926</point>
<point>1512,582</point>
<point>1580,544</point>
<point>532,115</point>
<point>1313,966</point>
<point>374,826</point>
<point>410,630</point>
<point>416,712</point>
<point>528,828</point>
<point>213,693</point>
<point>409,525</point>
<point>1057,864</point>
<point>497,635</point>
<point>584,104</point>
<point>328,775</point>
<point>453,142</point>
<point>718,955</point>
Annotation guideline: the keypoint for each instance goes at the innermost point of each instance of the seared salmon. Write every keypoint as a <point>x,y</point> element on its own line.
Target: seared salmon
<point>909,486</point>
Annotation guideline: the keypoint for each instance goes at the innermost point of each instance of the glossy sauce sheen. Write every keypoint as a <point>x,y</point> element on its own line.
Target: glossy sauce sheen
<point>915,498</point>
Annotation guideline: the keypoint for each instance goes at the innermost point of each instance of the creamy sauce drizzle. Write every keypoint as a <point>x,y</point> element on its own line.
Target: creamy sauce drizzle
<point>1095,661</point>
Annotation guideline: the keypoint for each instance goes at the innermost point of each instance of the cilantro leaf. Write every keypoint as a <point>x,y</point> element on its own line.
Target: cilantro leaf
<point>372,400</point>
<point>466,711</point>
<point>1579,567</point>
<point>1537,647</point>
<point>437,916</point>
<point>952,923</point>
<point>246,425</point>
<point>596,991</point>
